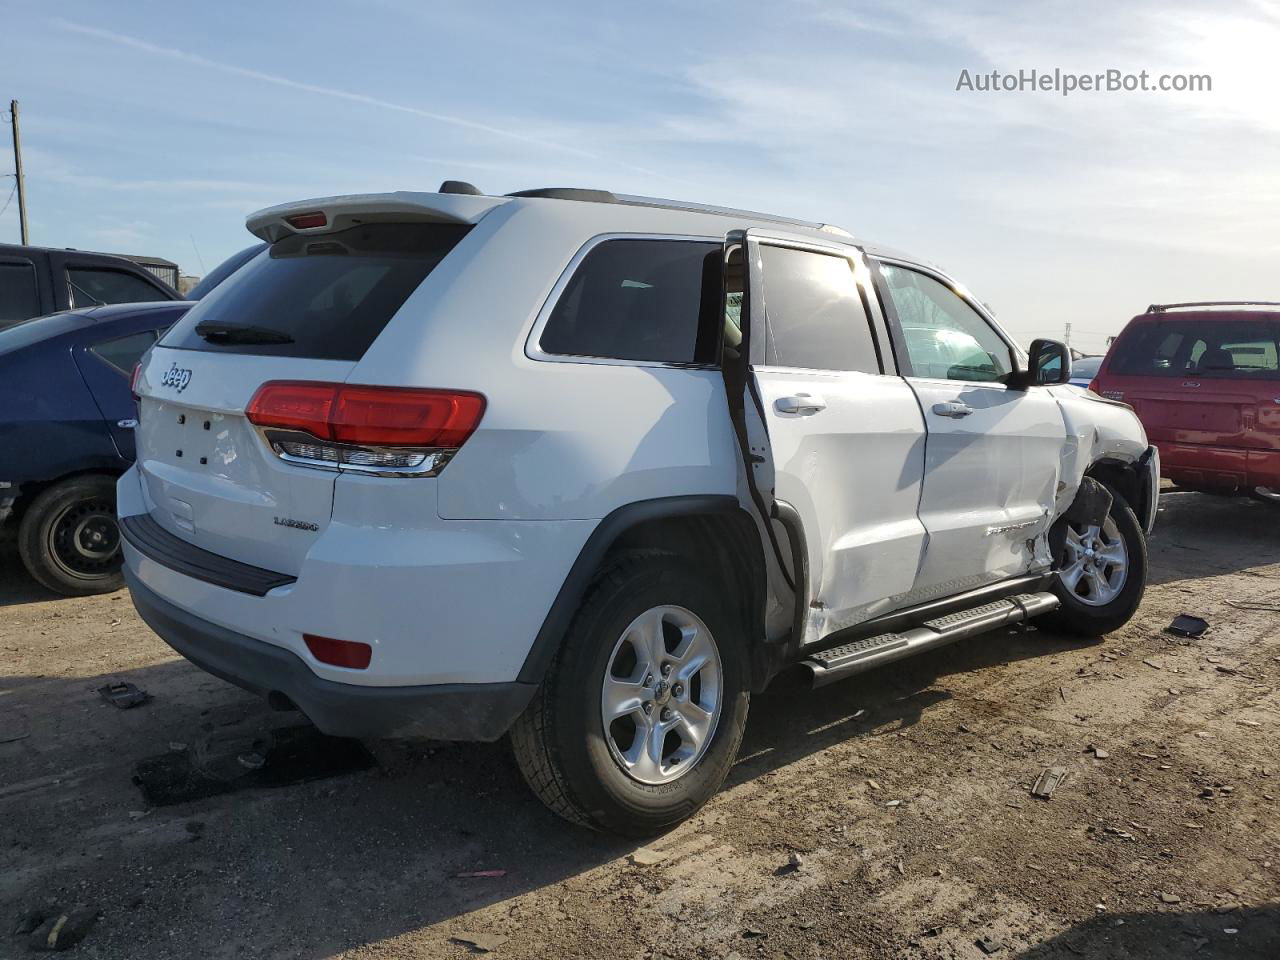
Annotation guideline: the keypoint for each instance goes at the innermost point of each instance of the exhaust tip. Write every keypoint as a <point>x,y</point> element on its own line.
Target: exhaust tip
<point>281,702</point>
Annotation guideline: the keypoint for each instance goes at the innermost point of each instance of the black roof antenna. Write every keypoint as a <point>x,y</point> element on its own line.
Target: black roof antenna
<point>460,186</point>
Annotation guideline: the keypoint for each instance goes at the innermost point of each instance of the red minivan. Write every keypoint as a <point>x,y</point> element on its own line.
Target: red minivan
<point>1204,379</point>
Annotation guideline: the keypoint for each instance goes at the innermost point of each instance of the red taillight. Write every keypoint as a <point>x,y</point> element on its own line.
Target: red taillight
<point>368,416</point>
<point>307,221</point>
<point>294,405</point>
<point>393,417</point>
<point>339,653</point>
<point>133,380</point>
<point>1093,385</point>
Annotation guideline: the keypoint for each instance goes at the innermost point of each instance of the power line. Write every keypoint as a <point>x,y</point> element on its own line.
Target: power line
<point>10,200</point>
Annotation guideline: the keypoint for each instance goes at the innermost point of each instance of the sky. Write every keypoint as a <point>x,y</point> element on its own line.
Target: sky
<point>155,128</point>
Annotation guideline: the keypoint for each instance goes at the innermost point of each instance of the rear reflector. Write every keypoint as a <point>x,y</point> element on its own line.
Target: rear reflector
<point>339,653</point>
<point>368,416</point>
<point>307,221</point>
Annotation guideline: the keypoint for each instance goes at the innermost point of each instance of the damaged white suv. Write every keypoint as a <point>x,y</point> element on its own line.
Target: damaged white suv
<point>589,470</point>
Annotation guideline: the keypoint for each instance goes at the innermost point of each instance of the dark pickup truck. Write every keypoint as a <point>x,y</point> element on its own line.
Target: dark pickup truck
<point>35,281</point>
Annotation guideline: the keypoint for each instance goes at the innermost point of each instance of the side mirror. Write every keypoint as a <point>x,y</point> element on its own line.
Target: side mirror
<point>1049,363</point>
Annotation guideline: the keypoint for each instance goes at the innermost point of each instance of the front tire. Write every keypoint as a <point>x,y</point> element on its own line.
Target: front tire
<point>641,714</point>
<point>1101,574</point>
<point>69,537</point>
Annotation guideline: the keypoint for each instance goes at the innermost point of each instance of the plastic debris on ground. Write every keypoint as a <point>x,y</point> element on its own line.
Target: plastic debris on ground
<point>1185,625</point>
<point>123,695</point>
<point>1049,780</point>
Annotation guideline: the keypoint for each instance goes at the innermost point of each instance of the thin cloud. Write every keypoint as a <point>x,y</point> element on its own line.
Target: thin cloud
<point>336,93</point>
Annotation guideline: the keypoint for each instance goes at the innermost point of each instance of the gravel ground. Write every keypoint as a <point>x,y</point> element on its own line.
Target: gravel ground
<point>888,816</point>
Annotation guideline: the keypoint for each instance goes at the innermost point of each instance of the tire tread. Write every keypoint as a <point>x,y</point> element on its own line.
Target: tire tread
<point>533,743</point>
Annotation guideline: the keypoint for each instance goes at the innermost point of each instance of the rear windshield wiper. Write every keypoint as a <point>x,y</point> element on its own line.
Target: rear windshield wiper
<point>229,333</point>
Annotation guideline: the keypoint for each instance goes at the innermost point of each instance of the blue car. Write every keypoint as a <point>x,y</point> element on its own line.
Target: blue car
<point>66,432</point>
<point>1084,369</point>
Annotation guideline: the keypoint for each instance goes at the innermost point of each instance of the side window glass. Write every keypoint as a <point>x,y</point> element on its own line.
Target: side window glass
<point>19,297</point>
<point>92,286</point>
<point>735,276</point>
<point>1168,349</point>
<point>123,352</point>
<point>646,300</point>
<point>1256,356</point>
<point>945,338</point>
<point>1196,357</point>
<point>814,316</point>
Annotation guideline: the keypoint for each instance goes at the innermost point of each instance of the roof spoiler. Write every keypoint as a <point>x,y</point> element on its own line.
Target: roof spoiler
<point>327,214</point>
<point>1162,307</point>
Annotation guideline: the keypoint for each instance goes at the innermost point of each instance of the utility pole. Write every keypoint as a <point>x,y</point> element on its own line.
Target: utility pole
<point>1066,336</point>
<point>17,168</point>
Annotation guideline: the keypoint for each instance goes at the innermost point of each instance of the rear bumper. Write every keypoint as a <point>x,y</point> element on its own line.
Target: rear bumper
<point>1219,468</point>
<point>454,602</point>
<point>450,711</point>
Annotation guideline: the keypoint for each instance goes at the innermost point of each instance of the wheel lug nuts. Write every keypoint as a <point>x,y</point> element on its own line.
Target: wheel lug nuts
<point>677,690</point>
<point>648,680</point>
<point>665,715</point>
<point>666,669</point>
<point>648,706</point>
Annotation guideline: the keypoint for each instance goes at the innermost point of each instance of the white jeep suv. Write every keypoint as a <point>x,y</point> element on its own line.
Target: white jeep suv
<point>589,470</point>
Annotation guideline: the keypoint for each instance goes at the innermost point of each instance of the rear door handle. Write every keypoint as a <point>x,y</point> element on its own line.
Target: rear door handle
<point>802,404</point>
<point>953,409</point>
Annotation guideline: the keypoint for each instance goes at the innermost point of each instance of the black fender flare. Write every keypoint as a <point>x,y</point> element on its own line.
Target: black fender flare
<point>591,556</point>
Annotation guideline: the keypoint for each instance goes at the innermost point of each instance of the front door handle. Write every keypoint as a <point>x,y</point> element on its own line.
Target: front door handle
<point>802,404</point>
<point>953,409</point>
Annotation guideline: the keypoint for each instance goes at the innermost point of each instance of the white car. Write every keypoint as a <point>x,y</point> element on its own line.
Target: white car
<point>589,470</point>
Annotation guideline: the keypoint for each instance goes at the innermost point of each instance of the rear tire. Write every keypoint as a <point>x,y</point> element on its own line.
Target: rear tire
<point>1115,602</point>
<point>69,537</point>
<point>600,773</point>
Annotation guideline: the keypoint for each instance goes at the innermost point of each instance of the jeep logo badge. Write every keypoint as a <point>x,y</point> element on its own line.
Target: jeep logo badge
<point>177,377</point>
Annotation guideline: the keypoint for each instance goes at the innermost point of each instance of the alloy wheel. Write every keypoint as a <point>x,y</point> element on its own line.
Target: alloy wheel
<point>661,695</point>
<point>1096,562</point>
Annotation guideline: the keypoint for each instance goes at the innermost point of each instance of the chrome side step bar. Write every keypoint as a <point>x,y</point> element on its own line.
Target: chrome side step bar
<point>860,656</point>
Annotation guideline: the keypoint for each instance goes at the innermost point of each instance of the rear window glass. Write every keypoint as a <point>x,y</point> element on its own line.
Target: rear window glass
<point>1209,349</point>
<point>324,297</point>
<point>645,300</point>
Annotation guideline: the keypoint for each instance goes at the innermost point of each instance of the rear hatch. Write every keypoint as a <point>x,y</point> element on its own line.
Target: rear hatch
<point>305,309</point>
<point>1202,379</point>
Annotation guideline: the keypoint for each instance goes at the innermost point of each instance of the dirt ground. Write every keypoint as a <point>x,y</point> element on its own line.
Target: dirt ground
<point>905,794</point>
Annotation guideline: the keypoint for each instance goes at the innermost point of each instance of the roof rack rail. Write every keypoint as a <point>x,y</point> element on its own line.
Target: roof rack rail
<point>568,193</point>
<point>720,211</point>
<point>605,196</point>
<point>1162,307</point>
